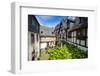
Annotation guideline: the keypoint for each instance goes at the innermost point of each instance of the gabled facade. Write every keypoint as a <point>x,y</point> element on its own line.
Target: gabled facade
<point>47,37</point>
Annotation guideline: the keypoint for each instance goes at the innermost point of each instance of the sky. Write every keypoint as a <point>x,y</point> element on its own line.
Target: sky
<point>50,21</point>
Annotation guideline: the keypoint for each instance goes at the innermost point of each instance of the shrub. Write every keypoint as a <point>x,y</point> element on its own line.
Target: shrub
<point>76,51</point>
<point>59,53</point>
<point>67,51</point>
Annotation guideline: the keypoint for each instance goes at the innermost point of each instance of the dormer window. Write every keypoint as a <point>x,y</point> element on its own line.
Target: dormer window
<point>41,32</point>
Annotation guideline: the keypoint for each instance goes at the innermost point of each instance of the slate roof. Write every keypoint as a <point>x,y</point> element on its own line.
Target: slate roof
<point>46,31</point>
<point>78,24</point>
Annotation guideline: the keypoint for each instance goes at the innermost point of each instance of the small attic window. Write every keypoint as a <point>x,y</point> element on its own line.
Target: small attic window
<point>41,32</point>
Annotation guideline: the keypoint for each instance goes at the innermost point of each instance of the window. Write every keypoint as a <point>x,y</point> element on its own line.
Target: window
<point>81,34</point>
<point>41,32</point>
<point>37,37</point>
<point>32,38</point>
<point>63,37</point>
<point>78,34</point>
<point>69,34</point>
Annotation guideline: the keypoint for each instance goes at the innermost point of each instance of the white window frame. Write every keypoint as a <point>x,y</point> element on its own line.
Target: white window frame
<point>16,60</point>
